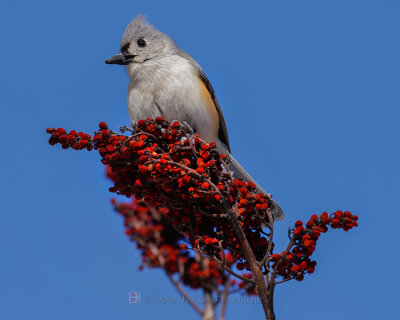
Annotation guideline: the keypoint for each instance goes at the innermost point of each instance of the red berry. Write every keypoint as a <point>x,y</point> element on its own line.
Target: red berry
<point>103,125</point>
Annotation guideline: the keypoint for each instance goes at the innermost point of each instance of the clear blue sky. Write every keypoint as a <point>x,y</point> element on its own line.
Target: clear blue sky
<point>310,92</point>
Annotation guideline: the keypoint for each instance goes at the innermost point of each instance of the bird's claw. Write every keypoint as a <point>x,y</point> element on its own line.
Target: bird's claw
<point>187,127</point>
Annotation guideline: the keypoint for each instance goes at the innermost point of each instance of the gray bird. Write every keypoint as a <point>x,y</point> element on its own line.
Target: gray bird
<point>166,81</point>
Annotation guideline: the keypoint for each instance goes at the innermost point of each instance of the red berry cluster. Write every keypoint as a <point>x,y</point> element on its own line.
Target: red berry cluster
<point>295,261</point>
<point>172,170</point>
<point>72,139</point>
<point>162,246</point>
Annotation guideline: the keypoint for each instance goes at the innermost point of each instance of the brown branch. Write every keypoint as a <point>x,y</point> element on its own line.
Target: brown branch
<point>224,300</point>
<point>255,268</point>
<point>209,306</point>
<point>184,294</point>
<point>233,272</point>
<point>272,281</point>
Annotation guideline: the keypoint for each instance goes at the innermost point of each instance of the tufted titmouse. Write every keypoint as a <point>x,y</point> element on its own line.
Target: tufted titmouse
<point>166,81</point>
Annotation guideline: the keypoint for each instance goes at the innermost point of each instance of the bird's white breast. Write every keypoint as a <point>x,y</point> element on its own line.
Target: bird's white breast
<point>170,87</point>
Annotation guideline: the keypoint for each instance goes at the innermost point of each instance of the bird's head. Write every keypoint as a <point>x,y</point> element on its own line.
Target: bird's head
<point>141,42</point>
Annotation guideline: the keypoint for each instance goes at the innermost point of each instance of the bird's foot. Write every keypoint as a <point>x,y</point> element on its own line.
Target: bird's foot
<point>187,127</point>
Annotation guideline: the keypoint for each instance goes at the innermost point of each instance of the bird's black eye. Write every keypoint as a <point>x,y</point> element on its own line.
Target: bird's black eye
<point>141,43</point>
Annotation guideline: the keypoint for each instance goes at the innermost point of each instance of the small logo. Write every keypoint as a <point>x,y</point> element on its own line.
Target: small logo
<point>134,297</point>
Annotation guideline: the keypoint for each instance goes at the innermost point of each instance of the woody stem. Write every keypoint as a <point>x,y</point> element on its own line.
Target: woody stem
<point>254,266</point>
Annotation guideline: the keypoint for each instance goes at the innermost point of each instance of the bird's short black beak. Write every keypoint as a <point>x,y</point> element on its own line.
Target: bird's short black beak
<point>121,59</point>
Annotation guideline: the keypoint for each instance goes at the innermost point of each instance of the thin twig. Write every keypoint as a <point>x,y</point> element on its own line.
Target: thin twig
<point>142,133</point>
<point>282,281</point>
<point>270,238</point>
<point>212,215</point>
<point>195,173</point>
<point>233,272</point>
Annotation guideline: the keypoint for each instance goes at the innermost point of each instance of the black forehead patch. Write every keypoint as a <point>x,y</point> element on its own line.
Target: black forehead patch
<point>125,47</point>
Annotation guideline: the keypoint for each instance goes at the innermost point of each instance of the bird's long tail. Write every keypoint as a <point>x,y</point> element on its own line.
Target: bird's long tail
<point>240,173</point>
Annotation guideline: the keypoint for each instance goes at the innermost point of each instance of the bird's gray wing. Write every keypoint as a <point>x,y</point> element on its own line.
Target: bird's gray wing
<point>222,129</point>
